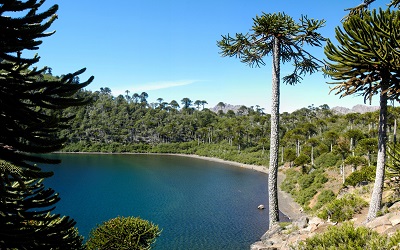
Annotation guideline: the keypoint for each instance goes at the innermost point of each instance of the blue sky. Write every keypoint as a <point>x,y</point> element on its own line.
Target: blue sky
<point>168,49</point>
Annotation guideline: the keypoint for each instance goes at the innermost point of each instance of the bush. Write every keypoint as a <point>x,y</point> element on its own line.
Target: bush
<point>302,160</point>
<point>342,209</point>
<point>327,160</point>
<point>289,184</point>
<point>123,233</point>
<point>324,197</point>
<point>364,174</point>
<point>303,187</point>
<point>348,237</point>
<point>303,197</point>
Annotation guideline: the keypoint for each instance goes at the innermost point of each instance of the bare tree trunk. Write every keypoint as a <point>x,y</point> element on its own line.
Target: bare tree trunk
<point>376,197</point>
<point>343,173</point>
<point>351,145</point>
<point>274,146</point>
<point>395,132</point>
<point>312,155</point>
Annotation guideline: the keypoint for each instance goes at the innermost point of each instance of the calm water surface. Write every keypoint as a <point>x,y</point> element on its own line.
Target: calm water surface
<point>199,204</point>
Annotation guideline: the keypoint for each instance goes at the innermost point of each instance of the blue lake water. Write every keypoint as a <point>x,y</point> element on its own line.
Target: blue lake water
<point>199,204</point>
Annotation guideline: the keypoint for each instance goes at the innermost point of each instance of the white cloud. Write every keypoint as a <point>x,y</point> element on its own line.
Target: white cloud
<point>153,86</point>
<point>161,85</point>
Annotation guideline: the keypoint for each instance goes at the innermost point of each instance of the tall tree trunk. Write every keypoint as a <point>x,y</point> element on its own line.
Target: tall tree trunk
<point>376,197</point>
<point>395,132</point>
<point>312,156</point>
<point>274,146</point>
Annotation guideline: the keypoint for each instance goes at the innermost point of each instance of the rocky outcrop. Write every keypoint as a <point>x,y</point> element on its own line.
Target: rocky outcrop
<point>282,236</point>
<point>227,107</point>
<point>356,109</point>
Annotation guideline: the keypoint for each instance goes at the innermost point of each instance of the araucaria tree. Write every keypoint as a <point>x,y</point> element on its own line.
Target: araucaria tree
<point>31,118</point>
<point>282,37</point>
<point>367,62</point>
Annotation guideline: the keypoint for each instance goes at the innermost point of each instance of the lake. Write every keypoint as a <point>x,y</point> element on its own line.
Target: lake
<point>199,204</point>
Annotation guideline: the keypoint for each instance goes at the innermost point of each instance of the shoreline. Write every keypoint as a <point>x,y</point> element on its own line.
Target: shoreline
<point>286,204</point>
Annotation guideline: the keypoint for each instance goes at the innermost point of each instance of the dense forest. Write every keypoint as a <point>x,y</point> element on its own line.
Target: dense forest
<point>131,124</point>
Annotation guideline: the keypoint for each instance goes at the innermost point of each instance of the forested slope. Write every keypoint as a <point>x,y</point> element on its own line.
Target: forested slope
<point>131,124</point>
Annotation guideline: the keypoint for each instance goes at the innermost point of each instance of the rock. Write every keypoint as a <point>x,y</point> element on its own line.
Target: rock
<point>394,207</point>
<point>258,246</point>
<point>274,230</point>
<point>302,222</point>
<point>382,229</point>
<point>379,222</point>
<point>395,219</point>
<point>275,241</point>
<point>316,221</point>
<point>312,228</point>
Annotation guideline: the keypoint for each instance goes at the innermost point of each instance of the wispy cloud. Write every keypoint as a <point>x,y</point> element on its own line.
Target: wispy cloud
<point>161,85</point>
<point>138,88</point>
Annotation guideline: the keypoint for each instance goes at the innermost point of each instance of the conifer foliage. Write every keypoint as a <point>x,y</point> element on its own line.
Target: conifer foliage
<point>367,62</point>
<point>30,106</point>
<point>31,118</point>
<point>282,37</point>
<point>26,221</point>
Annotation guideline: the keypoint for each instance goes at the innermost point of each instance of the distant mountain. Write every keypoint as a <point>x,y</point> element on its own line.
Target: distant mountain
<point>356,109</point>
<point>340,110</point>
<point>227,107</point>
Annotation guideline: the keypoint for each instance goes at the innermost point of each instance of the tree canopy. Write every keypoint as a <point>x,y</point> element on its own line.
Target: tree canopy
<point>30,107</point>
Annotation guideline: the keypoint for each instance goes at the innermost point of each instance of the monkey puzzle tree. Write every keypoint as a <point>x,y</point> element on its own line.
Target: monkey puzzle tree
<point>282,37</point>
<point>31,118</point>
<point>30,106</point>
<point>26,220</point>
<point>367,62</point>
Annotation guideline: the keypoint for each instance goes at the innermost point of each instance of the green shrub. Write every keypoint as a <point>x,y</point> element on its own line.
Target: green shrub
<point>327,160</point>
<point>123,233</point>
<point>303,187</point>
<point>323,198</point>
<point>302,160</point>
<point>304,196</point>
<point>320,177</point>
<point>348,237</point>
<point>289,155</point>
<point>289,184</point>
<point>364,174</point>
<point>342,209</point>
<point>306,180</point>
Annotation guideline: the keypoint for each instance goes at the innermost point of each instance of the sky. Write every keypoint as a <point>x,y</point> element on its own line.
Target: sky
<point>168,49</point>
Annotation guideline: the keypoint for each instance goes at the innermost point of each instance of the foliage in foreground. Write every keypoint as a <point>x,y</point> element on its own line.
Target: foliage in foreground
<point>348,237</point>
<point>123,233</point>
<point>26,221</point>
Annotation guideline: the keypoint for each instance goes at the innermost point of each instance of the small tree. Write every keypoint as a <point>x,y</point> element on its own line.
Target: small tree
<point>123,233</point>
